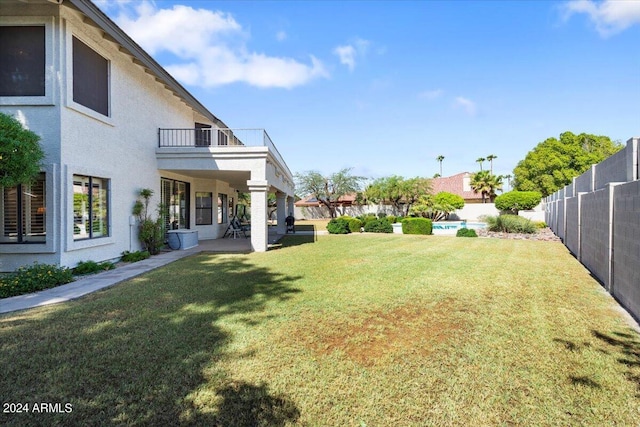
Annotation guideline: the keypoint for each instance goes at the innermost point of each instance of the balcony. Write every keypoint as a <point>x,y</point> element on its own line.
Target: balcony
<point>219,138</point>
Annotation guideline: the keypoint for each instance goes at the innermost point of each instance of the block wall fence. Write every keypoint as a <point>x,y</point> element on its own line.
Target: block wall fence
<point>597,217</point>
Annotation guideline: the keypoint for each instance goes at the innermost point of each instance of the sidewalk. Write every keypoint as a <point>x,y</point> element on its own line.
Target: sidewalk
<point>95,282</point>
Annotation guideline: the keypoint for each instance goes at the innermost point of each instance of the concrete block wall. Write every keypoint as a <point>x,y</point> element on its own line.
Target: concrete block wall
<point>626,246</point>
<point>572,226</point>
<point>613,169</point>
<point>584,183</point>
<point>597,217</point>
<point>560,219</point>
<point>595,243</point>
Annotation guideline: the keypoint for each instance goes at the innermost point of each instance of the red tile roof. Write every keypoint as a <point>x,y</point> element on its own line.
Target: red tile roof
<point>455,184</point>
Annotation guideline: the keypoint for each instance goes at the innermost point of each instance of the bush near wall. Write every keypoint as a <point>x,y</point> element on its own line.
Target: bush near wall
<point>34,278</point>
<point>510,224</point>
<point>416,226</point>
<point>354,225</point>
<point>514,201</point>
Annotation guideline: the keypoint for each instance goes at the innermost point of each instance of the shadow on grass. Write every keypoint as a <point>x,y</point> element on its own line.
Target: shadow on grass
<point>296,239</point>
<point>146,352</point>
<point>249,405</point>
<point>628,346</point>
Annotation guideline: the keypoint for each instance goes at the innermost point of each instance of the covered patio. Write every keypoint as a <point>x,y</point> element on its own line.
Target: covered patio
<point>246,159</point>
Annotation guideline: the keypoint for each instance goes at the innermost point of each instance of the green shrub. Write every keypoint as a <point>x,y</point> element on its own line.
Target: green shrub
<point>466,232</point>
<point>354,225</point>
<point>514,201</point>
<point>378,226</point>
<point>511,224</point>
<point>445,198</point>
<point>368,217</point>
<point>88,267</point>
<point>382,215</point>
<point>416,226</point>
<point>134,256</point>
<point>338,226</point>
<point>34,278</point>
<point>392,219</point>
<point>540,224</point>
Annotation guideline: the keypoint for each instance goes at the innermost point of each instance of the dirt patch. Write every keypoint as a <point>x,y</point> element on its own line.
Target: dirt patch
<point>403,331</point>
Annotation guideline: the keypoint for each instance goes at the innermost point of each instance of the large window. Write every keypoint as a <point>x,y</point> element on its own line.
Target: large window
<point>204,208</point>
<point>24,213</point>
<point>22,63</point>
<point>90,207</point>
<point>175,200</point>
<point>90,78</point>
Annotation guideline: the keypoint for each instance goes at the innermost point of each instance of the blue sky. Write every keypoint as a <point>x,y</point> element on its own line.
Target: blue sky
<point>386,87</point>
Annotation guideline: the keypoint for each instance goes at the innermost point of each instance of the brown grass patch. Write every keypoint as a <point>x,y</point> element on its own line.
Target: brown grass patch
<point>404,331</point>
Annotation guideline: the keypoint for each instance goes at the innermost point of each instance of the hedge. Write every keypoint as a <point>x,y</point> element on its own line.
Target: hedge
<point>416,226</point>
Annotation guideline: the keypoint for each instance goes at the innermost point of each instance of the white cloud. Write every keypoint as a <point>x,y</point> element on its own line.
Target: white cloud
<point>210,48</point>
<point>431,94</point>
<point>609,16</point>
<point>348,53</point>
<point>465,104</point>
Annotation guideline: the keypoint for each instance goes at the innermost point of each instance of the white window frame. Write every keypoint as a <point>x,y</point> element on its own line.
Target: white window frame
<point>69,102</point>
<point>49,58</point>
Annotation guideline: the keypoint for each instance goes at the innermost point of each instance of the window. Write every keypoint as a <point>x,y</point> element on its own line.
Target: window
<point>204,208</point>
<point>90,207</point>
<point>22,68</point>
<point>24,213</point>
<point>222,209</point>
<point>90,78</point>
<point>223,138</point>
<point>175,199</point>
<point>203,135</point>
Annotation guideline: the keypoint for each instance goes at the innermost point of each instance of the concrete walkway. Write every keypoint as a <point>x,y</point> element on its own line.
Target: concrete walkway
<point>95,282</point>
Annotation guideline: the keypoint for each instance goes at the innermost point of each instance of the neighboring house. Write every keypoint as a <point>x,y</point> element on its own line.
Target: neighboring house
<point>459,184</point>
<point>112,121</point>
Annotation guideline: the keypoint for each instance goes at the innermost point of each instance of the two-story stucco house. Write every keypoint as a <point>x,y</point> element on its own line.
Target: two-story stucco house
<point>112,121</point>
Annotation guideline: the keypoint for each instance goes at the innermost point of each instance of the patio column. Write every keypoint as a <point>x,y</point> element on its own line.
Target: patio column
<point>259,227</point>
<point>282,212</point>
<point>291,210</point>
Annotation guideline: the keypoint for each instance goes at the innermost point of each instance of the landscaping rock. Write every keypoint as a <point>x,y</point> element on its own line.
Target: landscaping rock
<point>544,234</point>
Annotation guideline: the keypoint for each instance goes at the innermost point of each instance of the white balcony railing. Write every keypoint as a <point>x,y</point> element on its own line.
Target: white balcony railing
<point>214,137</point>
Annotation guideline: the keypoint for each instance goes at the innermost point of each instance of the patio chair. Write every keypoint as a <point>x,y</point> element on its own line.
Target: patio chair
<point>236,228</point>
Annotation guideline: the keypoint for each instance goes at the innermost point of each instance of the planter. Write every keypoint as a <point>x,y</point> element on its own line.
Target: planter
<point>182,239</point>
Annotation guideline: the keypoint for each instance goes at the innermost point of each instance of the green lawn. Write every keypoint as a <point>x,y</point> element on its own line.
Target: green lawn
<point>354,330</point>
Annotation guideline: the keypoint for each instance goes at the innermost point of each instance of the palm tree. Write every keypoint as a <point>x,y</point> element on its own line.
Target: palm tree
<point>486,184</point>
<point>490,158</point>
<point>440,158</point>
<point>508,180</point>
<point>480,160</point>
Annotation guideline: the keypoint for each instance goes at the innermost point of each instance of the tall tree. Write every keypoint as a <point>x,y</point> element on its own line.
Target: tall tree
<point>480,160</point>
<point>491,158</point>
<point>386,190</point>
<point>413,189</point>
<point>328,189</point>
<point>20,153</point>
<point>440,158</point>
<point>486,184</point>
<point>553,163</point>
